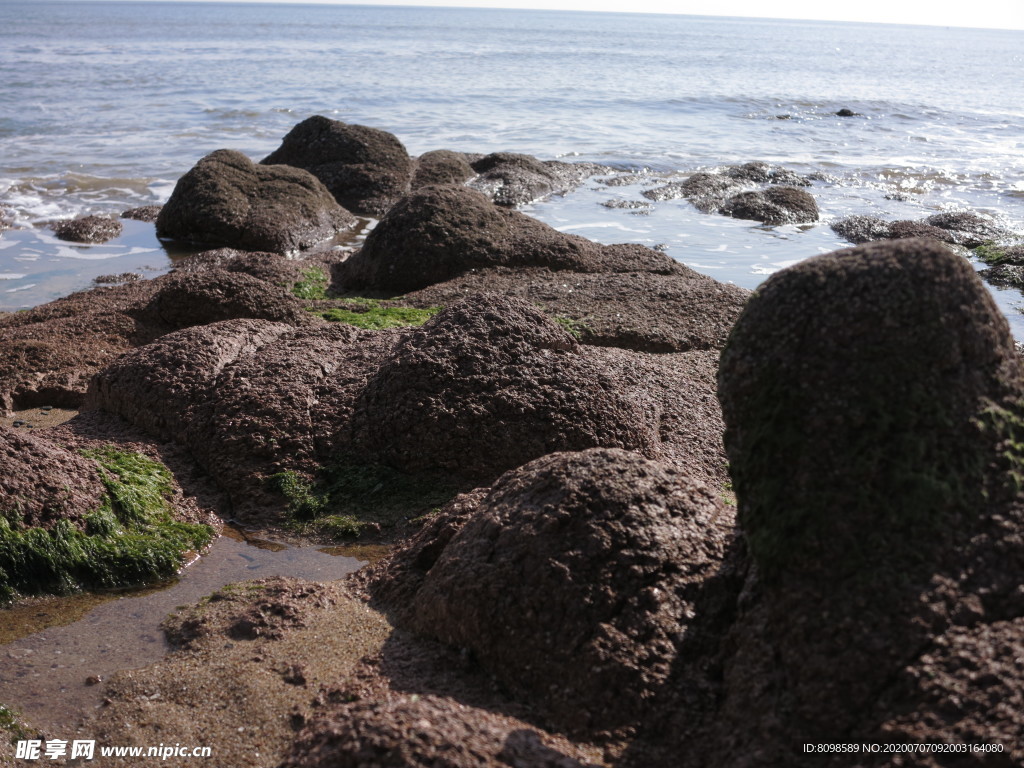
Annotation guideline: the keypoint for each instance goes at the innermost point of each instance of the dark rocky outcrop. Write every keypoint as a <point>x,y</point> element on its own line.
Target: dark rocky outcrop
<point>487,385</point>
<point>198,298</point>
<point>147,213</point>
<point>577,568</point>
<point>366,169</point>
<point>437,233</point>
<point>512,180</point>
<point>88,229</point>
<point>643,311</point>
<point>48,354</point>
<point>1005,276</point>
<point>966,228</point>
<point>43,483</point>
<point>879,508</point>
<point>226,199</point>
<point>773,206</point>
<point>442,166</point>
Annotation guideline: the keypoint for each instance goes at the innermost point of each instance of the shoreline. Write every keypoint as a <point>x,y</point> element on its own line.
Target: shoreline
<point>542,424</point>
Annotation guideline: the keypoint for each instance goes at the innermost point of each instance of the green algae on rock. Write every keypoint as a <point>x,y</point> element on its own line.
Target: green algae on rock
<point>372,315</point>
<point>130,539</point>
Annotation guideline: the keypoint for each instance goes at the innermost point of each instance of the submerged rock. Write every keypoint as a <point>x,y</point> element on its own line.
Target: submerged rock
<point>773,206</point>
<point>147,213</point>
<point>226,199</point>
<point>954,227</point>
<point>88,229</point>
<point>366,169</point>
<point>579,568</point>
<point>512,180</point>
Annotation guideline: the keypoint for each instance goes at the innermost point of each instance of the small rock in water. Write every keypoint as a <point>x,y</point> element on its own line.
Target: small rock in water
<point>93,680</point>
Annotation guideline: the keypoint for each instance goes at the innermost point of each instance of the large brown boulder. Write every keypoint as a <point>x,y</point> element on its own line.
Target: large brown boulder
<point>226,199</point>
<point>872,399</point>
<point>366,169</point>
<point>438,233</point>
<point>574,581</point>
<point>487,385</point>
<point>209,296</point>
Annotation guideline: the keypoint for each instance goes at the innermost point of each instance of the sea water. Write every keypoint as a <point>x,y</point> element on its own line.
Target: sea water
<point>103,105</point>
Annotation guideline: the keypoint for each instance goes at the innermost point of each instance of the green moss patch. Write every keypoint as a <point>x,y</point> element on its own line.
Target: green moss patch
<point>348,496</point>
<point>10,724</point>
<point>995,255</point>
<point>576,328</point>
<point>372,314</point>
<point>131,539</point>
<point>312,286</point>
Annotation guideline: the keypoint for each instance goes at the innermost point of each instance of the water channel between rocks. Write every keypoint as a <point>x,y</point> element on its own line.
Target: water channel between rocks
<point>46,674</point>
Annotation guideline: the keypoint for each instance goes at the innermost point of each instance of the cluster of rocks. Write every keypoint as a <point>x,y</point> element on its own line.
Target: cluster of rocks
<point>595,577</point>
<point>961,228</point>
<point>757,191</point>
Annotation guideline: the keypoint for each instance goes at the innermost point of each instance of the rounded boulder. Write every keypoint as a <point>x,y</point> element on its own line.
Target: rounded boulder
<point>575,580</point>
<point>226,199</point>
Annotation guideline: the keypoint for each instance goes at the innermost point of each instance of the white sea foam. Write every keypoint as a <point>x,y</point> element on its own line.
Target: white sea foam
<point>11,276</point>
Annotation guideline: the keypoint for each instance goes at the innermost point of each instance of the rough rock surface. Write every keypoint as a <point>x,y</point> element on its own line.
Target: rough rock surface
<point>413,731</point>
<point>437,233</point>
<point>42,482</point>
<point>366,169</point>
<point>88,229</point>
<point>188,299</point>
<point>226,199</point>
<point>249,398</point>
<point>644,311</point>
<point>487,385</point>
<point>954,227</point>
<point>879,508</point>
<point>511,179</point>
<point>579,568</point>
<point>147,213</point>
<point>773,206</point>
<point>49,353</point>
<point>442,166</point>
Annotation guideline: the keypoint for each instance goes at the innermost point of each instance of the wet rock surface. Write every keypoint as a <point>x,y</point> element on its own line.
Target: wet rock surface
<point>366,169</point>
<point>226,199</point>
<point>577,568</point>
<point>773,206</point>
<point>643,311</point>
<point>512,180</point>
<point>963,228</point>
<point>147,213</point>
<point>88,229</point>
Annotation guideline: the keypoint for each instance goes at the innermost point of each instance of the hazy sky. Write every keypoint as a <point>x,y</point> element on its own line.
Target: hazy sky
<point>1005,14</point>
